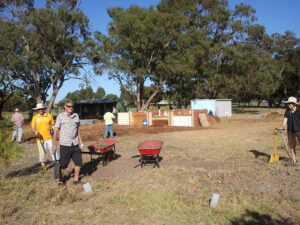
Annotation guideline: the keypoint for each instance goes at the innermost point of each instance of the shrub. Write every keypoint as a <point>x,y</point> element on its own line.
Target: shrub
<point>8,150</point>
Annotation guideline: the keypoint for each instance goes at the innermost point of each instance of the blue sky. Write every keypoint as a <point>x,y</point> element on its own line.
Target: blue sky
<point>276,15</point>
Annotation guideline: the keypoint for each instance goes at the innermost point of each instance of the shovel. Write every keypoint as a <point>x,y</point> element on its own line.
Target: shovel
<point>56,167</point>
<point>56,163</point>
<point>41,155</point>
<point>274,157</point>
<point>286,147</point>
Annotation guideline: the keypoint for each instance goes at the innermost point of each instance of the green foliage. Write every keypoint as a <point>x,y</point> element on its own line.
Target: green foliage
<point>45,47</point>
<point>100,93</point>
<point>8,150</point>
<point>19,100</point>
<point>87,93</point>
<point>110,96</point>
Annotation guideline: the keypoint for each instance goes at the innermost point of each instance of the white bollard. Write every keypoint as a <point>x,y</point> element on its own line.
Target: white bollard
<point>214,200</point>
<point>87,187</point>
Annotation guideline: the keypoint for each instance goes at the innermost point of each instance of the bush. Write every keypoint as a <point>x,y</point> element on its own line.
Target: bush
<point>8,150</point>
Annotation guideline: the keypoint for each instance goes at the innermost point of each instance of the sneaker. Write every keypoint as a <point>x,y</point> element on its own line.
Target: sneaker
<point>61,184</point>
<point>77,182</point>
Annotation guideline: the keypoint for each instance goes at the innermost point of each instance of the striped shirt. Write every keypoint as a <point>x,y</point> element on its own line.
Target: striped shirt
<point>68,128</point>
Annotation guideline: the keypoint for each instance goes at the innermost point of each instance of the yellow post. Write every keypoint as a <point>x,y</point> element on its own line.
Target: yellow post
<point>41,154</point>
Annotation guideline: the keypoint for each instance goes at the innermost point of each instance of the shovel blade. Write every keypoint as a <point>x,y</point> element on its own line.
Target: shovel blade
<point>274,158</point>
<point>56,170</point>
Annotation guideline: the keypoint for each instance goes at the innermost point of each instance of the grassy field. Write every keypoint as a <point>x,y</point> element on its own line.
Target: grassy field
<point>230,159</point>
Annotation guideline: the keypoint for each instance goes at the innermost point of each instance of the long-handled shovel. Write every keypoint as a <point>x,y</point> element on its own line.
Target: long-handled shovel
<point>41,154</point>
<point>56,167</point>
<point>274,157</point>
<point>56,163</point>
<point>285,144</point>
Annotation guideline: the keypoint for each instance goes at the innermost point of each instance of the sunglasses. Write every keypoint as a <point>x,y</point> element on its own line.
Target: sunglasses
<point>70,106</point>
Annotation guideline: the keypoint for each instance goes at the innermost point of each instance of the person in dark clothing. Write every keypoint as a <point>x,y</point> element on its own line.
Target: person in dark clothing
<point>292,120</point>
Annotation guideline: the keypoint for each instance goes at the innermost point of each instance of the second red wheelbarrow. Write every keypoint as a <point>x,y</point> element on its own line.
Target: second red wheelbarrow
<point>105,148</point>
<point>149,152</point>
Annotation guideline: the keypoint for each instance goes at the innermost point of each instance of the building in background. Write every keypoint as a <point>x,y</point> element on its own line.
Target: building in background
<point>94,108</point>
<point>216,107</point>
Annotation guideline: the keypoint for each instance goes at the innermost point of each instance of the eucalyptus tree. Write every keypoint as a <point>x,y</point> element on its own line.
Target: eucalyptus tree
<point>143,47</point>
<point>287,55</point>
<point>47,46</point>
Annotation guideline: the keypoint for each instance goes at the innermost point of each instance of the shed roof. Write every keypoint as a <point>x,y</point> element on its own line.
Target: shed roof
<point>97,101</point>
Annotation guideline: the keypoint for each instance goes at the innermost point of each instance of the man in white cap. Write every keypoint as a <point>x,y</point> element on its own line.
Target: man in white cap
<point>292,120</point>
<point>18,120</point>
<point>67,124</point>
<point>41,125</point>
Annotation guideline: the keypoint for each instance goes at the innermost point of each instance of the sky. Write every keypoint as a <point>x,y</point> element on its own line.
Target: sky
<point>277,16</point>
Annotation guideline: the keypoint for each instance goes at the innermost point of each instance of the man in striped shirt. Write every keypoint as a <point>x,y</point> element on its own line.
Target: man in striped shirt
<point>68,123</point>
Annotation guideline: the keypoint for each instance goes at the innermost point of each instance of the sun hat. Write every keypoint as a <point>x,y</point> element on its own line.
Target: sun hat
<point>40,106</point>
<point>292,100</point>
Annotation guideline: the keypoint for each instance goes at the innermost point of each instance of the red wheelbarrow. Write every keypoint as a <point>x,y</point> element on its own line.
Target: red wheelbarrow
<point>149,152</point>
<point>105,148</point>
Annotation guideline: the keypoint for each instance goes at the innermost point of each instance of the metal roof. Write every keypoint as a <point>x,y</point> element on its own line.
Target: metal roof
<point>97,101</point>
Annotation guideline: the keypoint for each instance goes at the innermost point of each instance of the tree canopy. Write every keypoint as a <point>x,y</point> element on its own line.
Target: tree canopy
<point>45,46</point>
<point>178,50</point>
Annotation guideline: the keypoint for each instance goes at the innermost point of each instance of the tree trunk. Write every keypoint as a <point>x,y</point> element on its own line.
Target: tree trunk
<point>1,108</point>
<point>140,89</point>
<point>52,99</point>
<point>38,99</point>
<point>158,89</point>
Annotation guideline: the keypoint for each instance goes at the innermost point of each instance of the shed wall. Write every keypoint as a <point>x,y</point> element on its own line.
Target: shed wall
<point>223,108</point>
<point>208,104</point>
<point>123,118</point>
<point>182,121</point>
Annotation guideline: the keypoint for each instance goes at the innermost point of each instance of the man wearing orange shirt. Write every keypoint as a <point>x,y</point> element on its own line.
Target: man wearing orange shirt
<point>41,125</point>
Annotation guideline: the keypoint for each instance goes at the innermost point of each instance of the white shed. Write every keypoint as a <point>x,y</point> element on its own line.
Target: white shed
<point>217,107</point>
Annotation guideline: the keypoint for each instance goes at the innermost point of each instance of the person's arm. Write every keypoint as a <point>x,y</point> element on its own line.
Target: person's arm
<point>79,136</point>
<point>22,120</point>
<point>284,122</point>
<point>33,127</point>
<point>56,128</point>
<point>55,136</point>
<point>81,145</point>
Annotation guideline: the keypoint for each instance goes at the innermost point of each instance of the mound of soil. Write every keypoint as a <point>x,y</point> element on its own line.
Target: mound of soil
<point>213,120</point>
<point>273,115</point>
<point>93,132</point>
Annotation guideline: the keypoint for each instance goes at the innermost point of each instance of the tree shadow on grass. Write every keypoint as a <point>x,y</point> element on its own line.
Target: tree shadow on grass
<point>28,139</point>
<point>26,171</point>
<point>90,167</point>
<point>255,218</point>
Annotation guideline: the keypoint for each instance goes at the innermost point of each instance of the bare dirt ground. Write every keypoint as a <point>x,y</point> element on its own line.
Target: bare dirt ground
<point>93,132</point>
<point>230,158</point>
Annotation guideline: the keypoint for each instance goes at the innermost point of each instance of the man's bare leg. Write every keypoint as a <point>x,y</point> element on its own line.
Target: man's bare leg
<point>77,171</point>
<point>61,175</point>
<point>293,154</point>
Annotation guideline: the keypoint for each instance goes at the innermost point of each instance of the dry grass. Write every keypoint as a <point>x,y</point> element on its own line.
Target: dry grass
<point>230,160</point>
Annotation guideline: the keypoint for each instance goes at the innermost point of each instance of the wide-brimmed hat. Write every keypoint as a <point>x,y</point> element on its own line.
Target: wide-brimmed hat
<point>291,100</point>
<point>40,106</point>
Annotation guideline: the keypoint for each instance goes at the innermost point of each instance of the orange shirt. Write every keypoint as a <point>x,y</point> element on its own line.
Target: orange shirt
<point>43,124</point>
